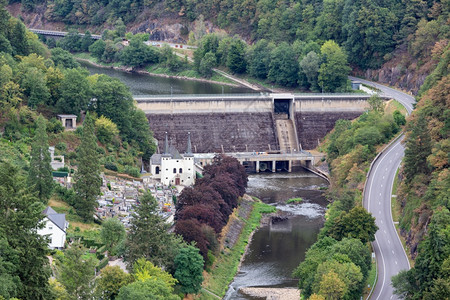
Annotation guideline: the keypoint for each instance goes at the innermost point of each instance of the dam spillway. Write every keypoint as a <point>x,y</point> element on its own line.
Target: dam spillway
<point>249,122</point>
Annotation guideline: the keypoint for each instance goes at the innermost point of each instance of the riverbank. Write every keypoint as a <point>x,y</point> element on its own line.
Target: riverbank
<point>236,236</point>
<point>159,72</point>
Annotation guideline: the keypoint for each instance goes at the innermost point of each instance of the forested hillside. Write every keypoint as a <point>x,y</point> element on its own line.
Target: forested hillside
<point>371,32</point>
<point>424,192</point>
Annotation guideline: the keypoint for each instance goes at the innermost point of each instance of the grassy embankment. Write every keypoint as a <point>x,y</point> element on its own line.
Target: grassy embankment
<point>395,208</point>
<point>227,262</point>
<point>74,220</point>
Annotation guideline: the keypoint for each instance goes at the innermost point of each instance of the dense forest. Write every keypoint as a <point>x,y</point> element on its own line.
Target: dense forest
<point>369,31</point>
<point>423,195</point>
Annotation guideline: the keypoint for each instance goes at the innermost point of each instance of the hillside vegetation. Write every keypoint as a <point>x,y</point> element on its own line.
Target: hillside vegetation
<point>424,190</point>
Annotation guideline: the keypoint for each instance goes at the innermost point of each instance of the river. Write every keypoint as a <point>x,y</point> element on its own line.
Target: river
<point>275,250</point>
<point>142,84</point>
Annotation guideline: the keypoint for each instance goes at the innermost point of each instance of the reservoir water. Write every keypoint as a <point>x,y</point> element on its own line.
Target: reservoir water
<point>276,249</point>
<point>142,84</point>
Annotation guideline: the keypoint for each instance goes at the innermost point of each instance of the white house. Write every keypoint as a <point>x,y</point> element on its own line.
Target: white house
<point>55,228</point>
<point>173,168</point>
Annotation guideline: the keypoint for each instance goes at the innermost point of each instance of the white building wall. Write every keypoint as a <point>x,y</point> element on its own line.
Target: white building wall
<point>170,169</point>
<point>56,236</point>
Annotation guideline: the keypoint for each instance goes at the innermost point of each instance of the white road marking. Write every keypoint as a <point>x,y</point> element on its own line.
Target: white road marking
<point>393,252</point>
<point>383,177</point>
<point>381,221</point>
<point>384,231</point>
<point>389,241</point>
<point>379,202</point>
<point>381,185</point>
<point>395,262</point>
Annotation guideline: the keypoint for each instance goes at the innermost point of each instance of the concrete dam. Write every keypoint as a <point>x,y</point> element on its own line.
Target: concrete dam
<point>248,122</point>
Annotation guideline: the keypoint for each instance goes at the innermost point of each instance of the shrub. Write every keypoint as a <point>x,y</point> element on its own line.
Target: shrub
<point>61,146</point>
<point>111,166</point>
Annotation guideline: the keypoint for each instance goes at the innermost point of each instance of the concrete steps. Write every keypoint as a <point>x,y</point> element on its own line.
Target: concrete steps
<point>286,135</point>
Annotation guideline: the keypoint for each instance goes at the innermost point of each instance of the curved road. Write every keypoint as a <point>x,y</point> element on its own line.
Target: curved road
<point>390,255</point>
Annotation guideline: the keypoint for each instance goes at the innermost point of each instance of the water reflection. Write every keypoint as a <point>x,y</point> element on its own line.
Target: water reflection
<point>277,249</point>
<point>141,84</point>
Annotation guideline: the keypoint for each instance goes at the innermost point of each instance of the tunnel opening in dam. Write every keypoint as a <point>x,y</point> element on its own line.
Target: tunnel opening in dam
<point>282,107</point>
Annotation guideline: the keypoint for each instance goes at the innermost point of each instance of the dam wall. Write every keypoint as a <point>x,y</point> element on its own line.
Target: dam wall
<point>233,123</point>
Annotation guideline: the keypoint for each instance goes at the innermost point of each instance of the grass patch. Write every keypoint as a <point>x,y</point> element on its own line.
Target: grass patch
<point>294,200</point>
<point>371,279</point>
<point>74,220</point>
<point>88,56</point>
<point>394,204</point>
<point>393,105</point>
<point>226,264</point>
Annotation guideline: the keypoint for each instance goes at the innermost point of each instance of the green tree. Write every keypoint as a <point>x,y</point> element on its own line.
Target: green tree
<point>236,61</point>
<point>334,70</point>
<point>120,27</point>
<point>35,87</point>
<point>150,289</point>
<point>23,262</point>
<point>105,129</point>
<point>189,269</point>
<point>97,48</point>
<point>283,65</point>
<point>143,270</point>
<point>77,272</point>
<point>18,38</point>
<point>72,41</point>
<point>259,59</point>
<point>86,41</point>
<point>418,147</point>
<point>87,178</point>
<point>75,92</point>
<point>112,234</point>
<point>357,223</point>
<point>138,54</point>
<point>309,66</point>
<point>332,287</point>
<point>64,58</point>
<point>40,174</point>
<point>110,281</point>
<point>113,101</point>
<point>207,63</point>
<point>148,236</point>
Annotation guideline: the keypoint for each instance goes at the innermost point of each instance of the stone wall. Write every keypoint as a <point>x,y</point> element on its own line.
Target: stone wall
<point>313,126</point>
<point>210,131</point>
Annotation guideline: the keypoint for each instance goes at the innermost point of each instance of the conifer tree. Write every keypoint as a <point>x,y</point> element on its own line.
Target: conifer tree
<point>148,236</point>
<point>23,263</point>
<point>87,179</point>
<point>40,175</point>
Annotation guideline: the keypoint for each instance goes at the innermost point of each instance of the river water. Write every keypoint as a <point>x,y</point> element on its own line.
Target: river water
<point>275,250</point>
<point>141,84</point>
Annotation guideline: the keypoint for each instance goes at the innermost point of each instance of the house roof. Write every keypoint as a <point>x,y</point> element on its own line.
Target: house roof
<point>58,219</point>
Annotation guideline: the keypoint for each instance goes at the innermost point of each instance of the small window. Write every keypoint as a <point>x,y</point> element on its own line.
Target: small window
<point>189,169</point>
<point>50,227</point>
<point>180,171</point>
<point>167,169</point>
<point>167,177</point>
<point>157,170</point>
<point>177,160</point>
<point>174,170</point>
<point>189,177</point>
<point>182,180</point>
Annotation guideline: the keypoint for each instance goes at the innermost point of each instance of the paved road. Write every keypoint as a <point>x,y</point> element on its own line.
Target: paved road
<point>391,257</point>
